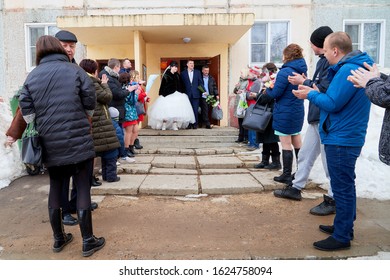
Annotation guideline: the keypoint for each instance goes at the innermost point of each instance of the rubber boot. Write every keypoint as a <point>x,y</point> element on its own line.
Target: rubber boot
<point>61,239</point>
<point>91,244</point>
<point>275,165</point>
<point>286,178</point>
<point>137,144</point>
<point>264,162</point>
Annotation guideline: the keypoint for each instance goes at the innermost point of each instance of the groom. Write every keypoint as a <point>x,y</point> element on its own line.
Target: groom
<point>192,79</point>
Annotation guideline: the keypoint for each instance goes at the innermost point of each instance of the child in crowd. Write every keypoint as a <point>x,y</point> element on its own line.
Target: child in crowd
<point>119,133</point>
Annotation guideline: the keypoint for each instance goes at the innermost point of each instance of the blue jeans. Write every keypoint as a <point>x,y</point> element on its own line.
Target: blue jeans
<point>252,139</point>
<point>341,162</point>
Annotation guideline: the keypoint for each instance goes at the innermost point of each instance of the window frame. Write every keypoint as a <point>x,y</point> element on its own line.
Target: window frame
<point>361,22</point>
<point>27,36</point>
<point>268,42</point>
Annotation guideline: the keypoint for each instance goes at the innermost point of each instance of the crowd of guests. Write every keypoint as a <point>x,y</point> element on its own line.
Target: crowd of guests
<point>100,119</point>
<point>338,116</point>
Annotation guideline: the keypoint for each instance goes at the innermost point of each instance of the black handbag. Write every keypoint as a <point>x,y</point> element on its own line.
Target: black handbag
<point>257,117</point>
<point>31,146</point>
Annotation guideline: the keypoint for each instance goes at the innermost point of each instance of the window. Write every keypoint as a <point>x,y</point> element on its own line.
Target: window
<point>268,39</point>
<point>32,33</point>
<point>367,36</point>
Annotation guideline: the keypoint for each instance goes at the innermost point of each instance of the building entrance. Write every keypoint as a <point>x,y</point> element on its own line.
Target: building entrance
<point>212,62</point>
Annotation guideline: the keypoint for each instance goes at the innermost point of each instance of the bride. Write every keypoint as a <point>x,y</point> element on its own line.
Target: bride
<point>172,109</point>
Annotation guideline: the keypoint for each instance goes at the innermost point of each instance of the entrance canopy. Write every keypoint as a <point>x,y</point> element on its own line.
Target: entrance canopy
<point>164,29</point>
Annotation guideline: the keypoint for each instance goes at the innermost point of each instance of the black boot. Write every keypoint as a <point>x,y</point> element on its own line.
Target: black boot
<point>264,162</point>
<point>137,144</point>
<point>129,153</point>
<point>61,239</point>
<point>95,182</point>
<point>296,158</point>
<point>287,166</point>
<point>91,244</point>
<point>131,149</point>
<point>275,165</point>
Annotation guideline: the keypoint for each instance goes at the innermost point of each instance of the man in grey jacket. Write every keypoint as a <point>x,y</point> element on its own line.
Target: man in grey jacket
<point>377,87</point>
<point>312,147</point>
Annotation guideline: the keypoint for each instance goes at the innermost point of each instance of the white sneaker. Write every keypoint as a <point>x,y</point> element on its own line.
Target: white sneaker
<point>127,160</point>
<point>174,126</point>
<point>164,126</point>
<point>118,163</point>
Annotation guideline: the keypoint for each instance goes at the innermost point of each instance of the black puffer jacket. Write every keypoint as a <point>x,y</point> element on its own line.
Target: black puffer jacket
<point>59,93</point>
<point>320,79</point>
<point>118,93</point>
<point>378,91</point>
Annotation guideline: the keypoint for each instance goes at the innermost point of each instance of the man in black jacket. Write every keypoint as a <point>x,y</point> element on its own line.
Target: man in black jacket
<point>311,147</point>
<point>68,41</point>
<point>210,87</point>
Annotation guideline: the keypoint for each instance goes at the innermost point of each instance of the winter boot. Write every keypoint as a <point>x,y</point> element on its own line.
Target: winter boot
<point>91,244</point>
<point>61,239</point>
<point>131,149</point>
<point>327,207</point>
<point>137,144</point>
<point>287,166</point>
<point>275,165</point>
<point>264,162</point>
<point>129,152</point>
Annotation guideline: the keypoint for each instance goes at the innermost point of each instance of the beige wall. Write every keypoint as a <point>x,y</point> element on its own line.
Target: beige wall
<point>150,55</point>
<point>110,51</point>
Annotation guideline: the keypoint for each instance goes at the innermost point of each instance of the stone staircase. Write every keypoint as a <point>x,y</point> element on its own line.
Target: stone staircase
<point>191,162</point>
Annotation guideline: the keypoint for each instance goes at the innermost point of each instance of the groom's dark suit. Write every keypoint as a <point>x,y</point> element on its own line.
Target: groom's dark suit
<point>191,89</point>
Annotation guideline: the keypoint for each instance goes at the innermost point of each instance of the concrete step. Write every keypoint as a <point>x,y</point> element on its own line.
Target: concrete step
<point>162,174</point>
<point>189,138</point>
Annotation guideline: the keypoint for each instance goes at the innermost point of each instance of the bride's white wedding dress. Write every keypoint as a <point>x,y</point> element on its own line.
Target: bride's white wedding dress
<point>175,107</point>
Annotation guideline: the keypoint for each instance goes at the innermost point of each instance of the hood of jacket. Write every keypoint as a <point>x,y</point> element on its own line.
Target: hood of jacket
<point>111,72</point>
<point>355,57</point>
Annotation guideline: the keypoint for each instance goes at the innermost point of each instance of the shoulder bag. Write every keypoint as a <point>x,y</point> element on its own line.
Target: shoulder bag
<point>257,117</point>
<point>31,146</point>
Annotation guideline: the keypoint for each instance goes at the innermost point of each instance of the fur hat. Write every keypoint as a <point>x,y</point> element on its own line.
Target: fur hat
<point>66,36</point>
<point>114,113</point>
<point>318,36</point>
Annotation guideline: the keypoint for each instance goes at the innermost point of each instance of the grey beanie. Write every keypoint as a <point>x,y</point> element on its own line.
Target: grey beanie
<point>114,113</point>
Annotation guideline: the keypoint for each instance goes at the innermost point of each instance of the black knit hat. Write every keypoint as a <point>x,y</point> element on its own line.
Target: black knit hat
<point>318,36</point>
<point>66,36</point>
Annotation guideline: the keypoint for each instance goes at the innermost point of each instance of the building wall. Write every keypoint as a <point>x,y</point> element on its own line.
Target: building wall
<point>304,15</point>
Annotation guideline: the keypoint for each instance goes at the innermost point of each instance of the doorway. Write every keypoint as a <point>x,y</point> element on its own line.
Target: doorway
<point>212,62</point>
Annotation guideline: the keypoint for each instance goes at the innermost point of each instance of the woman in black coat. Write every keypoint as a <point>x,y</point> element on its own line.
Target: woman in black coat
<point>268,138</point>
<point>60,98</point>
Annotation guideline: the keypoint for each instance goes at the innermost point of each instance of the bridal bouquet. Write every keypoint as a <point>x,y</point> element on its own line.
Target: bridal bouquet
<point>211,100</point>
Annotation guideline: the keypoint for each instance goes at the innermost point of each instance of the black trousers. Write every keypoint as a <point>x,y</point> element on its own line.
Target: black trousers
<point>70,205</point>
<point>204,114</point>
<point>242,132</point>
<point>109,172</point>
<point>270,149</point>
